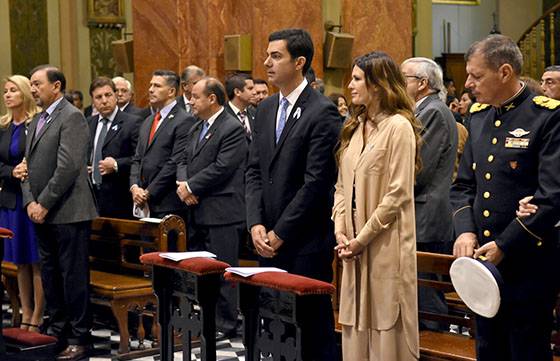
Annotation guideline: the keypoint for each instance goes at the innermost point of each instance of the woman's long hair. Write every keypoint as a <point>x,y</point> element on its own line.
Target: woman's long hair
<point>381,70</point>
<point>29,106</point>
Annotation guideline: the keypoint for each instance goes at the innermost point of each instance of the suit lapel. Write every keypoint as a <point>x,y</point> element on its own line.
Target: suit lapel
<point>195,134</point>
<point>116,126</point>
<point>51,118</point>
<point>164,123</point>
<point>213,128</point>
<point>298,111</point>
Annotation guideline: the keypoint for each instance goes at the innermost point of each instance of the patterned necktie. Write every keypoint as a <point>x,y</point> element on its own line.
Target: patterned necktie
<point>243,119</point>
<point>284,103</point>
<point>42,119</point>
<point>97,156</point>
<point>154,127</point>
<point>205,127</point>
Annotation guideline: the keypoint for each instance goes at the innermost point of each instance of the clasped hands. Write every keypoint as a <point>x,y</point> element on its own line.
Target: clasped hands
<point>266,243</point>
<point>184,194</point>
<point>347,249</point>
<point>139,196</point>
<point>36,212</point>
<point>20,170</point>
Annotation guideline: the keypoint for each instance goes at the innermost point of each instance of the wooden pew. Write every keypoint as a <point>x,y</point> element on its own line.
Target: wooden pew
<point>436,345</point>
<point>117,279</point>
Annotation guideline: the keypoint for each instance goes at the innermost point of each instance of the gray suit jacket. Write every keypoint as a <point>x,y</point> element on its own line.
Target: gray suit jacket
<point>57,166</point>
<point>431,191</point>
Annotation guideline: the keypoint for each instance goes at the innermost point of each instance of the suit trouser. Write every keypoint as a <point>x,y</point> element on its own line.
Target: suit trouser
<point>430,299</point>
<point>515,334</point>
<point>65,274</point>
<point>318,325</point>
<point>224,242</point>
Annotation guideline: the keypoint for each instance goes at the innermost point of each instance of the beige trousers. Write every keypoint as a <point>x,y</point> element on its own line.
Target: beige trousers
<point>373,345</point>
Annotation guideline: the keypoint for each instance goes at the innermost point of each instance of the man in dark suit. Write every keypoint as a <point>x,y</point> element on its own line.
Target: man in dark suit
<point>124,95</point>
<point>190,75</point>
<point>241,91</point>
<point>59,199</point>
<point>210,179</point>
<point>434,226</point>
<point>113,138</point>
<point>291,176</point>
<point>161,139</point>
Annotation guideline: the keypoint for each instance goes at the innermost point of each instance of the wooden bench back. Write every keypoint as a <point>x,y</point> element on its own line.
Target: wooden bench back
<point>116,244</point>
<point>440,264</point>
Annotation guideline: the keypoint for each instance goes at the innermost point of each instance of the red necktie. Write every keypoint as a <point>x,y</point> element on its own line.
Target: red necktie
<point>154,127</point>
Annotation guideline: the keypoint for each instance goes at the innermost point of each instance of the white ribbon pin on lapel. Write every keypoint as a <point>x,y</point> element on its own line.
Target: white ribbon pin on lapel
<point>297,113</point>
<point>115,127</point>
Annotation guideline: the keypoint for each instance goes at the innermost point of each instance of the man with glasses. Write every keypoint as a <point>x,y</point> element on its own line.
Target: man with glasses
<point>550,82</point>
<point>424,84</point>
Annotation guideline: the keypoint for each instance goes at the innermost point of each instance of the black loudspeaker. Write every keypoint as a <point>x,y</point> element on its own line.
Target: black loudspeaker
<point>238,52</point>
<point>338,50</point>
<point>123,55</point>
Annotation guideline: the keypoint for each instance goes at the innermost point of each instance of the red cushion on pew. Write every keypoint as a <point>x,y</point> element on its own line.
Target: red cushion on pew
<point>282,281</point>
<point>6,233</point>
<point>27,338</point>
<point>198,266</point>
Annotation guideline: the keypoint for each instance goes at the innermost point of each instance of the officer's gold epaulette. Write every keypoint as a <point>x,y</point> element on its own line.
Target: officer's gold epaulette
<point>478,107</point>
<point>546,102</point>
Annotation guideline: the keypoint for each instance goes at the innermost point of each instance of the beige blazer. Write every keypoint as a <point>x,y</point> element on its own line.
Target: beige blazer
<point>382,282</point>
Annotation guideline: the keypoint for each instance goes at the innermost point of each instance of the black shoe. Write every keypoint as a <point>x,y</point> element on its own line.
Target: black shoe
<point>220,335</point>
<point>72,353</point>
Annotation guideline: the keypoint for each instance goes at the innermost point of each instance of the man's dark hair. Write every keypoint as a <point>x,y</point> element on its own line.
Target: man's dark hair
<point>298,42</point>
<point>53,75</point>
<point>498,50</point>
<point>236,81</point>
<point>552,68</point>
<point>310,75</point>
<point>78,93</point>
<point>101,82</point>
<point>214,86</point>
<point>260,81</point>
<point>447,81</point>
<point>171,78</point>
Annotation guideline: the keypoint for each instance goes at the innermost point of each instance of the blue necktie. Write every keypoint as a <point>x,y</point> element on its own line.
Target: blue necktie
<point>203,131</point>
<point>284,103</point>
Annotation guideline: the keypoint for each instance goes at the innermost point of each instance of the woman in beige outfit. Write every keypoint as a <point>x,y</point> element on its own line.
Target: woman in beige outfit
<point>374,216</point>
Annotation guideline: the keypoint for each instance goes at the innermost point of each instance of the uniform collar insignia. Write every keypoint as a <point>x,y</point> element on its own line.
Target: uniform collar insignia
<point>509,106</point>
<point>519,132</point>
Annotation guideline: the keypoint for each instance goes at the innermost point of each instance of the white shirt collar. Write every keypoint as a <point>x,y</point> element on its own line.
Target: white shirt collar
<point>294,95</point>
<point>213,118</point>
<point>235,109</point>
<point>166,109</point>
<point>52,107</point>
<point>124,107</point>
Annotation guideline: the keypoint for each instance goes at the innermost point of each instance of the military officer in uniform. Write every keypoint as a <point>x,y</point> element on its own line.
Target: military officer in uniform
<point>513,151</point>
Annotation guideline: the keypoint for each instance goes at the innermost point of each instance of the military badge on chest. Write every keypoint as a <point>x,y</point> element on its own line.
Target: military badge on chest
<point>517,141</point>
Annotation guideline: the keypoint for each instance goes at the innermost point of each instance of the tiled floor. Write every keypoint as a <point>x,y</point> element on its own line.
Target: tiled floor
<point>106,342</point>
